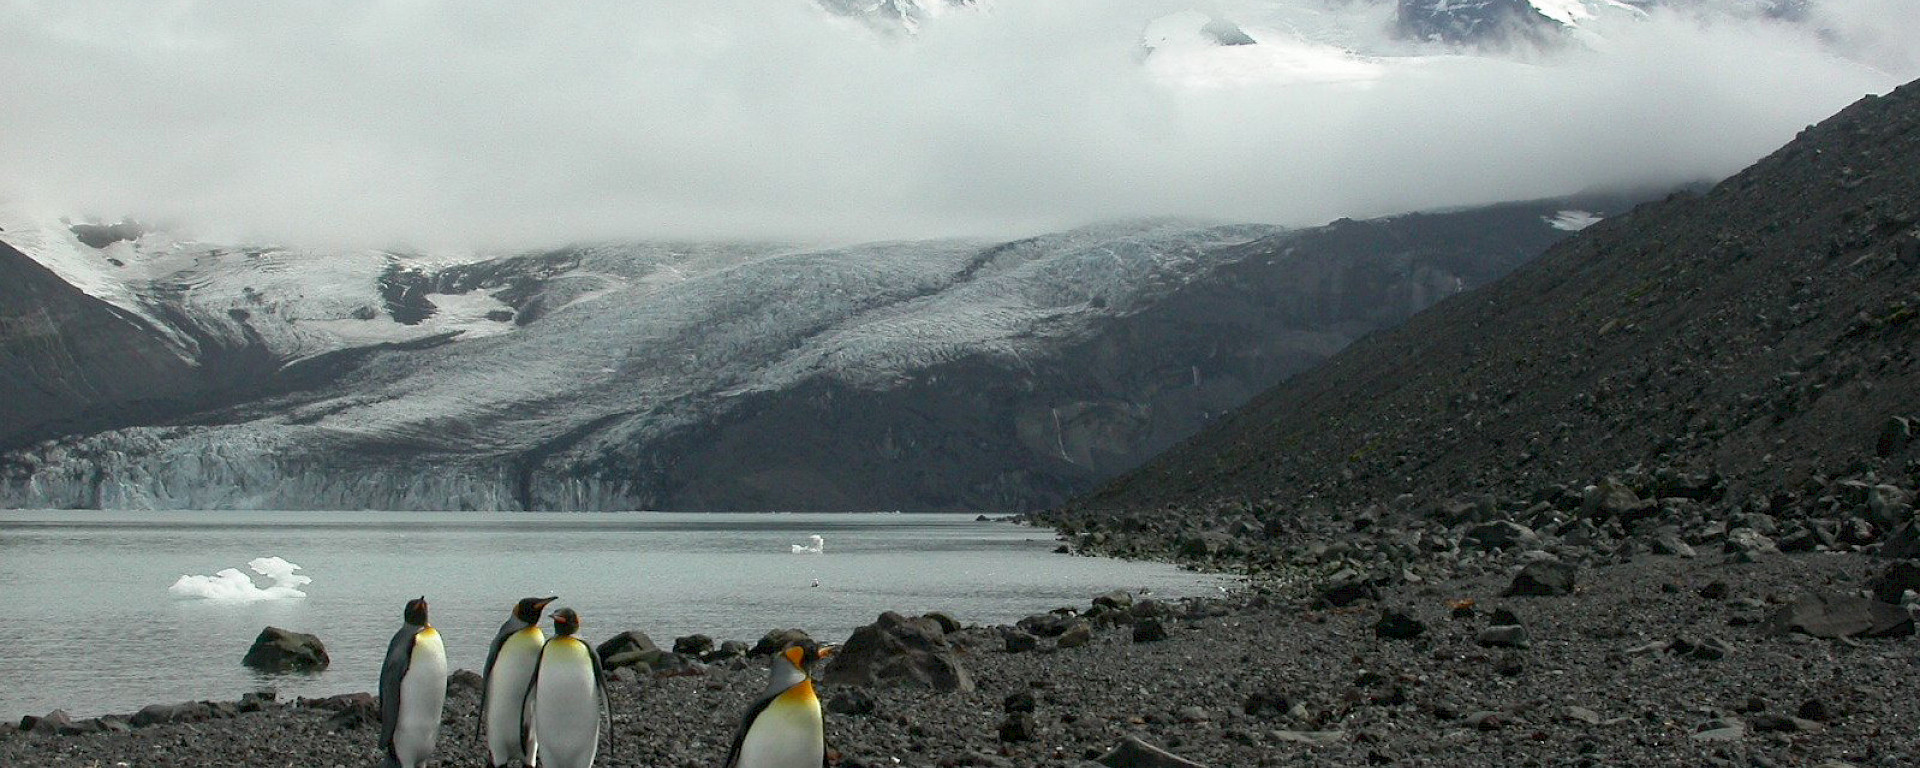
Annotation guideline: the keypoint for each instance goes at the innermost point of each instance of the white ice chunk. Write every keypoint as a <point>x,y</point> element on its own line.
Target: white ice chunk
<point>231,584</point>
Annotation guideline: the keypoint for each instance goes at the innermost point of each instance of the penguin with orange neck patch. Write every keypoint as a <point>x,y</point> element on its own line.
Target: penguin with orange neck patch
<point>568,698</point>
<point>413,687</point>
<point>783,728</point>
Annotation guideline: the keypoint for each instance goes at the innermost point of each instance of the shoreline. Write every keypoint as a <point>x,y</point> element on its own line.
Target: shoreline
<point>1257,677</point>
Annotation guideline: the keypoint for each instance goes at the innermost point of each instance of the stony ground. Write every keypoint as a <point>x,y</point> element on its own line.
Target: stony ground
<point>1264,679</point>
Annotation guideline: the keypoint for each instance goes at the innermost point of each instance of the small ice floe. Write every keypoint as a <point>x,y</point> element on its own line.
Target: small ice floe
<point>231,584</point>
<point>1573,221</point>
<point>815,546</point>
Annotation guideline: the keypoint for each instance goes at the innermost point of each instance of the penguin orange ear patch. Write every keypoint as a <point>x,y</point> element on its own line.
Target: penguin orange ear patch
<point>796,655</point>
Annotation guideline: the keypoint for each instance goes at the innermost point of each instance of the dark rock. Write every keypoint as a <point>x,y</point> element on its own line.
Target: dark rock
<point>54,723</point>
<point>1608,499</point>
<point>898,650</point>
<point>1046,624</point>
<point>1018,726</point>
<point>1892,584</point>
<point>462,680</point>
<point>851,701</point>
<point>946,621</point>
<point>629,641</point>
<point>1716,590</point>
<point>729,649</point>
<point>1485,720</point>
<point>362,713</point>
<point>1267,704</point>
<point>1902,543</point>
<point>1342,594</point>
<point>162,714</point>
<point>1118,599</point>
<point>340,703</point>
<point>1149,630</point>
<point>1509,665</point>
<point>1019,641</point>
<point>1710,649</point>
<point>693,645</point>
<point>256,701</point>
<point>1895,435</point>
<point>1503,617</point>
<point>1771,723</point>
<point>1815,709</point>
<point>1079,633</point>
<point>775,641</point>
<point>1019,702</point>
<point>1670,544</point>
<point>1542,580</point>
<point>279,650</point>
<point>1398,625</point>
<point>1833,615</point>
<point>1888,506</point>
<point>1134,753</point>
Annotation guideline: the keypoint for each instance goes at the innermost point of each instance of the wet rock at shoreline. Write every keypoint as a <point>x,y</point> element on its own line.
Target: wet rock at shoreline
<point>898,650</point>
<point>280,650</point>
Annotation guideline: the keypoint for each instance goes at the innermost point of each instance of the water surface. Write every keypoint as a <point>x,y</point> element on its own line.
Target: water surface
<point>89,625</point>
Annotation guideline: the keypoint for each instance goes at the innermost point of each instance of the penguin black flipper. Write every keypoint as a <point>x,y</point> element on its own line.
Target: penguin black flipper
<point>392,672</point>
<point>746,724</point>
<point>606,707</point>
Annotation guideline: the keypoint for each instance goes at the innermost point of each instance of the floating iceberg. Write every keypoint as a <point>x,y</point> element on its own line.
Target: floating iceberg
<point>231,584</point>
<point>815,546</point>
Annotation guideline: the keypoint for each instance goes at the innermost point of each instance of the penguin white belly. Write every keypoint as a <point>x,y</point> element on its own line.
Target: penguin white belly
<point>507,693</point>
<point>422,692</point>
<point>566,706</point>
<point>787,733</point>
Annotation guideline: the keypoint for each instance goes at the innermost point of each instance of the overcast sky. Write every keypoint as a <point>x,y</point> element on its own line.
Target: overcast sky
<point>430,123</point>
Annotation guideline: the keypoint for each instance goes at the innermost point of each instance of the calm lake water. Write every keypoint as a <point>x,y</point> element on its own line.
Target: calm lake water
<point>89,626</point>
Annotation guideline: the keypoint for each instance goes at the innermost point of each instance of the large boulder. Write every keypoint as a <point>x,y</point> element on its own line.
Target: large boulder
<point>1832,615</point>
<point>899,650</point>
<point>1134,753</point>
<point>630,648</point>
<point>775,641</point>
<point>1545,579</point>
<point>280,650</point>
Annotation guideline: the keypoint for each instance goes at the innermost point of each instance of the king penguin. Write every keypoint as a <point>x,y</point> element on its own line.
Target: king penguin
<point>413,686</point>
<point>569,697</point>
<point>509,674</point>
<point>783,728</point>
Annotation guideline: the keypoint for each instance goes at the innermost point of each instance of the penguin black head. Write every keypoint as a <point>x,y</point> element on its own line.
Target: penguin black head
<point>565,622</point>
<point>529,608</point>
<point>416,613</point>
<point>803,655</point>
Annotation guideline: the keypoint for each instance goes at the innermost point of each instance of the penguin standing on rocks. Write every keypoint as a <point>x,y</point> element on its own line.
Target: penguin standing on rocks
<point>569,697</point>
<point>413,686</point>
<point>783,729</point>
<point>509,675</point>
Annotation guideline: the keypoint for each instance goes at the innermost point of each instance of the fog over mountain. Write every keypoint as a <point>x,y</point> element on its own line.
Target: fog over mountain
<point>432,123</point>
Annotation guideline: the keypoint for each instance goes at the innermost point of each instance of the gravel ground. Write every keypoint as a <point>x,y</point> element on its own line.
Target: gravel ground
<point>1255,679</point>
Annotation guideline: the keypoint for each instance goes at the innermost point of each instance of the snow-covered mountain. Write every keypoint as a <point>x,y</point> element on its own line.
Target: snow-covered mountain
<point>946,374</point>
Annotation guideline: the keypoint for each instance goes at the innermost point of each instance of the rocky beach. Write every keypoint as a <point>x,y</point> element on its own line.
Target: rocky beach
<point>1643,634</point>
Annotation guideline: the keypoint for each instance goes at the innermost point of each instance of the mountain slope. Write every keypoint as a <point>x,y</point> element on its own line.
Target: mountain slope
<point>917,375</point>
<point>1763,332</point>
<point>72,363</point>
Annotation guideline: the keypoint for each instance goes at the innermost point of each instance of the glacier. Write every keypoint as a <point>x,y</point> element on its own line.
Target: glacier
<point>922,375</point>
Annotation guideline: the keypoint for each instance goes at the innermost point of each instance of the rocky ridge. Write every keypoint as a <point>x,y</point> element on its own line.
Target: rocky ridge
<point>1708,366</point>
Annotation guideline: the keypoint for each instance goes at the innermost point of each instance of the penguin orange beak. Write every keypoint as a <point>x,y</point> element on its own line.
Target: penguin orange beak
<point>826,652</point>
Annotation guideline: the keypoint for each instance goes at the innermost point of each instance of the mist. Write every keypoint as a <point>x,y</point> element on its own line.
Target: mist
<point>432,123</point>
